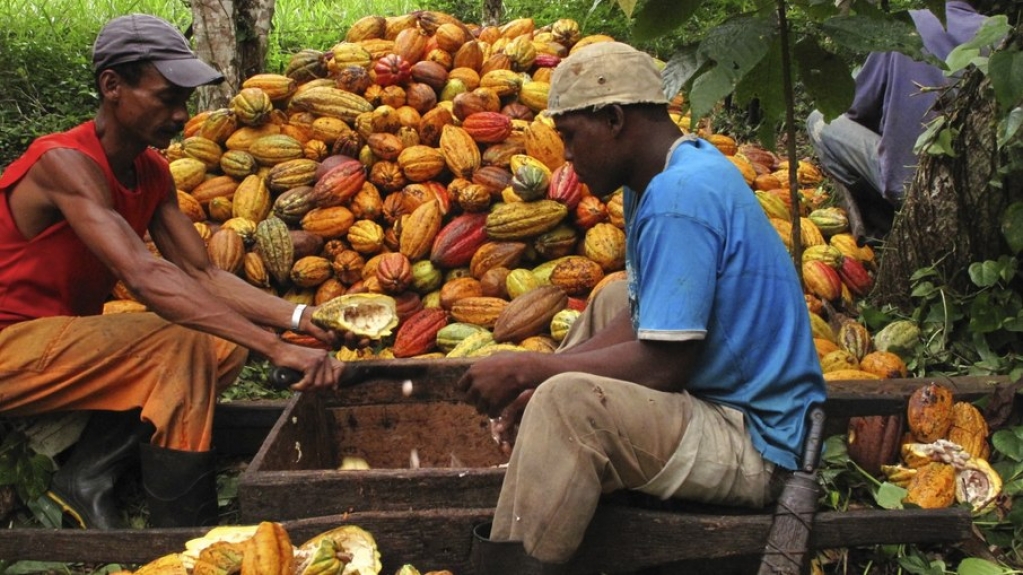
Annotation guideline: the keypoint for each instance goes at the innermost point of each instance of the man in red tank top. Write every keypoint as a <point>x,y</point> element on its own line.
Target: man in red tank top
<point>73,213</point>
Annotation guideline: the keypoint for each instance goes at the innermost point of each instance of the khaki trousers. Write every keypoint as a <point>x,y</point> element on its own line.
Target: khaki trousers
<point>119,362</point>
<point>582,436</point>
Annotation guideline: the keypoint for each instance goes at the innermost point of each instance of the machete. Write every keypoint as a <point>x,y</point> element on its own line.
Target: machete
<point>355,372</point>
<point>789,538</point>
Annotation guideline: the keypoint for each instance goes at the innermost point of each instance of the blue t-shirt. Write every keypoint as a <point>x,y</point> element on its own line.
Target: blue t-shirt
<point>704,263</point>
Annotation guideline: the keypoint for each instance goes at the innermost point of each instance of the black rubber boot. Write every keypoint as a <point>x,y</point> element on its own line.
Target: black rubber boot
<point>84,484</point>
<point>180,486</point>
<point>505,557</point>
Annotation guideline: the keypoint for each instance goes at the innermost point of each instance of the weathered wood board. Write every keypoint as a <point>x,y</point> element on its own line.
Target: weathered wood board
<point>436,539</point>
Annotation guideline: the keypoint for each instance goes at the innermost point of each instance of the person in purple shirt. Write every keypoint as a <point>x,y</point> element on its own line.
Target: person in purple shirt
<point>869,149</point>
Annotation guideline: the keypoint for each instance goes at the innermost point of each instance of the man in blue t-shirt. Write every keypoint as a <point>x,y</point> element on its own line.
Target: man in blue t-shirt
<point>869,149</point>
<point>692,379</point>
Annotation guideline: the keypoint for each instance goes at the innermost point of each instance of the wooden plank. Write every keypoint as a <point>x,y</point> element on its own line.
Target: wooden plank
<point>298,440</point>
<point>288,495</point>
<point>620,538</point>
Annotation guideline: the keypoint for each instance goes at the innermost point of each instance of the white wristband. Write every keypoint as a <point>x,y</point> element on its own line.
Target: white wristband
<point>296,316</point>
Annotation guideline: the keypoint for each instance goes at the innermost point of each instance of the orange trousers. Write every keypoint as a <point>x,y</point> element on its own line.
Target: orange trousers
<point>119,362</point>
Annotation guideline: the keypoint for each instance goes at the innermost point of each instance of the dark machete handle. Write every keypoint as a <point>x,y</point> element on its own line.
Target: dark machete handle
<point>284,377</point>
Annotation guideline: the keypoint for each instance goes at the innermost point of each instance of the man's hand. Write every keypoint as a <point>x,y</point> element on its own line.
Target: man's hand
<point>505,428</point>
<point>319,367</point>
<point>493,383</point>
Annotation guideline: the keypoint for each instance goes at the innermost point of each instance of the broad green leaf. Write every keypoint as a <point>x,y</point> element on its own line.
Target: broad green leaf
<point>1008,127</point>
<point>764,83</point>
<point>680,70</point>
<point>918,564</point>
<point>836,450</point>
<point>709,88</point>
<point>960,58</point>
<point>867,34</point>
<point>978,566</point>
<point>988,37</point>
<point>923,290</point>
<point>1009,442</point>
<point>890,496</point>
<point>825,76</point>
<point>984,318</point>
<point>985,274</point>
<point>658,17</point>
<point>627,6</point>
<point>735,47</point>
<point>1012,226</point>
<point>34,567</point>
<point>1005,68</point>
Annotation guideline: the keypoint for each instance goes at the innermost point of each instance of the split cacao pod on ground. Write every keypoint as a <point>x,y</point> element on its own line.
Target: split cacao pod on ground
<point>929,414</point>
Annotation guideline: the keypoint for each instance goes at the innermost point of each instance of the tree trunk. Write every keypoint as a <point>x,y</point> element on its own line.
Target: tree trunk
<point>492,10</point>
<point>951,216</point>
<point>231,35</point>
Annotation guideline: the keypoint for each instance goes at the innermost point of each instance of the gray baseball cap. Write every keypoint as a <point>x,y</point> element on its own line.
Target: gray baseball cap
<point>602,74</point>
<point>139,37</point>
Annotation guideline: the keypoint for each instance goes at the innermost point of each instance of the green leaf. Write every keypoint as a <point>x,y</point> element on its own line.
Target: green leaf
<point>627,6</point>
<point>978,566</point>
<point>33,567</point>
<point>682,67</point>
<point>825,76</point>
<point>764,82</point>
<point>985,274</point>
<point>984,317</point>
<point>890,496</point>
<point>1009,126</point>
<point>988,36</point>
<point>868,34</point>
<point>1009,442</point>
<point>735,47</point>
<point>1005,69</point>
<point>935,140</point>
<point>1012,224</point>
<point>658,17</point>
<point>836,450</point>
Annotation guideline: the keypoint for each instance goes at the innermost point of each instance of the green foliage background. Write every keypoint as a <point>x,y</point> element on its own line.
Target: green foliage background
<point>48,84</point>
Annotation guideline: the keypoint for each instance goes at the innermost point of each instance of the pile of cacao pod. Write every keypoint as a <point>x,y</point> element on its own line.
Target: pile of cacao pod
<point>938,452</point>
<point>266,549</point>
<point>411,161</point>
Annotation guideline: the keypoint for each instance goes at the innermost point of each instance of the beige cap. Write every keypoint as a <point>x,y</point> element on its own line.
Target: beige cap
<point>604,73</point>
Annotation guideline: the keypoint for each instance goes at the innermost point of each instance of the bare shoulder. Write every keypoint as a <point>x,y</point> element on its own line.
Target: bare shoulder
<point>65,169</point>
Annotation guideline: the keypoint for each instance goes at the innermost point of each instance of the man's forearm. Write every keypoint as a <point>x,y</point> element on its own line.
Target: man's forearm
<point>247,300</point>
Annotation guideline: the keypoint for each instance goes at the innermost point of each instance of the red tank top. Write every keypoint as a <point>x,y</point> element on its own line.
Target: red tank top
<point>55,273</point>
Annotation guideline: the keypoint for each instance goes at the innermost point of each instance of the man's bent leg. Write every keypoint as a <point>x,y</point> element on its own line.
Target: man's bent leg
<point>612,299</point>
<point>118,362</point>
<point>580,437</point>
<point>846,149</point>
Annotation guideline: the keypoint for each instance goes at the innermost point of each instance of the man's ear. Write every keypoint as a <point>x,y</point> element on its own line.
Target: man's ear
<point>615,117</point>
<point>109,85</point>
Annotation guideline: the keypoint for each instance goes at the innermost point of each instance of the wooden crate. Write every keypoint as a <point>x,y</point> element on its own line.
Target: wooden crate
<point>424,516</point>
<point>295,474</point>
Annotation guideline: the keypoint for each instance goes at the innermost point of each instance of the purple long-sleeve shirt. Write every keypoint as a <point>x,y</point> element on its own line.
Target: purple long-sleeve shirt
<point>888,98</point>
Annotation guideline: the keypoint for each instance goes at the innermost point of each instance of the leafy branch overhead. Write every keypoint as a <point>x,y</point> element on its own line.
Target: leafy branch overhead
<point>743,57</point>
